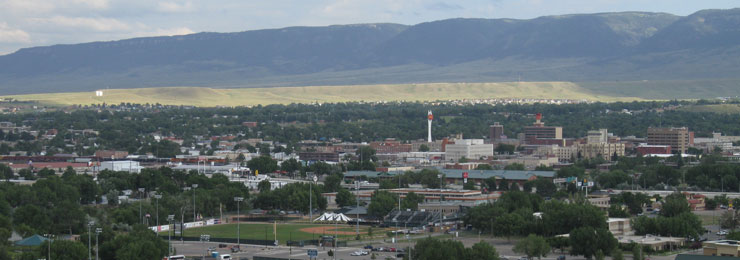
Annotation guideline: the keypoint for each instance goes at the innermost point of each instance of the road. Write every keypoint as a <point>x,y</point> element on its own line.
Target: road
<point>503,247</point>
<point>663,193</point>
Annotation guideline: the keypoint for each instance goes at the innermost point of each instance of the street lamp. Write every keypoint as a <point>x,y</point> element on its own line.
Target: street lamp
<point>157,197</point>
<point>238,218</point>
<point>170,218</point>
<point>89,233</point>
<point>194,186</point>
<point>97,232</point>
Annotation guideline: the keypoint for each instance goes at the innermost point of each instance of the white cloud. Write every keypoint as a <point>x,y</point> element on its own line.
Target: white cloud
<point>174,7</point>
<point>11,35</point>
<point>97,4</point>
<point>94,24</point>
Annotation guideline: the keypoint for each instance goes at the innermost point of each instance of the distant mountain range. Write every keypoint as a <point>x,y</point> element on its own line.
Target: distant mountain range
<point>589,48</point>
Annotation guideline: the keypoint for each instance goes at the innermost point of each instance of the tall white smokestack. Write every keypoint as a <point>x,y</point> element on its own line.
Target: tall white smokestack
<point>430,117</point>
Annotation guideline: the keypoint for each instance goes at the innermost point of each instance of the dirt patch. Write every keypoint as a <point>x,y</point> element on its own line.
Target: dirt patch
<point>328,231</point>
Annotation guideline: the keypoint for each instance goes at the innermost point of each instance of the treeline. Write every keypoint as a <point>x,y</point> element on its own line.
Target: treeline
<point>66,205</point>
<point>354,122</point>
<point>711,172</point>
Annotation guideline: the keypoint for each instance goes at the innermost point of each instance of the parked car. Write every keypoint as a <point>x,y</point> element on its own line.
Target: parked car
<point>722,233</point>
<point>392,249</point>
<point>562,257</point>
<point>356,253</point>
<point>400,255</point>
<point>368,247</point>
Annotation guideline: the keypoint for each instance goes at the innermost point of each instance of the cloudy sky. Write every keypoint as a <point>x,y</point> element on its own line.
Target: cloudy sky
<point>27,23</point>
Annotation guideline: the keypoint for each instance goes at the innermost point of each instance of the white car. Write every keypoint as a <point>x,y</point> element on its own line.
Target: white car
<point>722,233</point>
<point>359,253</point>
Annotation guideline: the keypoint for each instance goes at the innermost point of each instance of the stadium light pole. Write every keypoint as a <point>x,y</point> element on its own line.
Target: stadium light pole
<point>141,218</point>
<point>89,244</point>
<point>49,238</point>
<point>238,218</point>
<point>97,232</point>
<point>194,186</point>
<point>170,218</point>
<point>157,197</point>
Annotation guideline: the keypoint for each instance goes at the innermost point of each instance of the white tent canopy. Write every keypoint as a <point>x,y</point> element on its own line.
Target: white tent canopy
<point>332,217</point>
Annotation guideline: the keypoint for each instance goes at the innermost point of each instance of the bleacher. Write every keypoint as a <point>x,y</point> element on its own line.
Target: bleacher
<point>411,218</point>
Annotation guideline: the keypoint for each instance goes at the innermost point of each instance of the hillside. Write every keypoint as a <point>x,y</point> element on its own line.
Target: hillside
<point>286,95</point>
<point>593,50</point>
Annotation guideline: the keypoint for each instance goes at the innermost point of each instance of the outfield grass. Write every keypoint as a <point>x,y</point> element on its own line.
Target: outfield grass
<point>197,96</point>
<point>285,232</point>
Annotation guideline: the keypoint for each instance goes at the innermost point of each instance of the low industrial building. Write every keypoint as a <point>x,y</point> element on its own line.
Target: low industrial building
<point>722,248</point>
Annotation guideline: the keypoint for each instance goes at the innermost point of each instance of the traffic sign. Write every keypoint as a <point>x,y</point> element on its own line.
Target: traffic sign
<point>559,180</point>
<point>465,177</point>
<point>315,178</point>
<point>313,252</point>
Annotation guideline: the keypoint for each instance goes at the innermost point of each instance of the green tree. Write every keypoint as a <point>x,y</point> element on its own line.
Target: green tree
<point>483,251</point>
<point>264,186</point>
<point>469,185</point>
<point>291,166</point>
<point>599,255</point>
<point>411,201</point>
<point>263,164</point>
<point>142,243</point>
<point>674,205</point>
<point>484,166</point>
<point>617,254</point>
<point>332,183</point>
<point>64,250</point>
<point>423,148</point>
<point>532,246</point>
<point>637,252</point>
<point>514,167</point>
<point>616,211</point>
<point>381,203</point>
<point>587,241</point>
<point>345,198</point>
<point>5,172</point>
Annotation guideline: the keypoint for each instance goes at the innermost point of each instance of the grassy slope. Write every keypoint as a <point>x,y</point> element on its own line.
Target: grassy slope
<point>287,95</point>
<point>719,108</point>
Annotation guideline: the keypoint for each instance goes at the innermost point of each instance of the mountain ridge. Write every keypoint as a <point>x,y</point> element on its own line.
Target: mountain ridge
<point>622,46</point>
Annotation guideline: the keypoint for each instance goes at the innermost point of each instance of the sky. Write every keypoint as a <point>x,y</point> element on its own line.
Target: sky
<point>28,23</point>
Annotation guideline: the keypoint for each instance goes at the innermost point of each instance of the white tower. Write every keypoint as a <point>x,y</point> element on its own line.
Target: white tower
<point>430,117</point>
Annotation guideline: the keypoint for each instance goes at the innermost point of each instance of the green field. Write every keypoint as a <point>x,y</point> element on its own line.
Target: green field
<point>285,232</point>
<point>719,108</point>
<point>200,96</point>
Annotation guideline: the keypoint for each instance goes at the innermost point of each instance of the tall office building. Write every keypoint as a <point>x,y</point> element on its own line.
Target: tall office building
<point>539,131</point>
<point>497,131</point>
<point>679,138</point>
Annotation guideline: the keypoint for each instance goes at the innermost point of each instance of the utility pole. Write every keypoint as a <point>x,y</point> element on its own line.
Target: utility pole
<point>238,221</point>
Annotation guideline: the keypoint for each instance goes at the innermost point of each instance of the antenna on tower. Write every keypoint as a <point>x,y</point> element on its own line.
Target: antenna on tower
<point>430,117</point>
